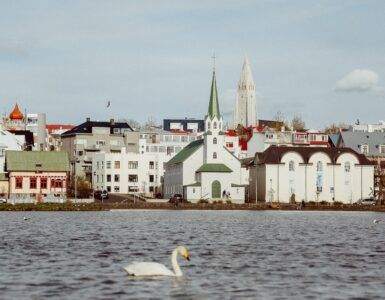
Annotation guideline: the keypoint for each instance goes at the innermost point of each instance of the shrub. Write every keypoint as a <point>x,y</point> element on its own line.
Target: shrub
<point>323,202</point>
<point>203,201</point>
<point>228,201</point>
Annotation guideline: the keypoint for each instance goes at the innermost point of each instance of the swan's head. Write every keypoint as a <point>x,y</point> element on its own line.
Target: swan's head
<point>184,252</point>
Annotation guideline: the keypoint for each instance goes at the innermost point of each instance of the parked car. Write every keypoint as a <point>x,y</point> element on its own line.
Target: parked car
<point>176,198</point>
<point>101,195</point>
<point>367,201</point>
<point>3,200</point>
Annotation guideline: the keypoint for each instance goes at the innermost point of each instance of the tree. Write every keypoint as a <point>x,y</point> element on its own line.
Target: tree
<point>83,188</point>
<point>297,123</point>
<point>335,128</point>
<point>134,124</point>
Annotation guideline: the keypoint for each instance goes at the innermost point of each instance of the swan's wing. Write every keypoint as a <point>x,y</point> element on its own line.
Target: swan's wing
<point>148,269</point>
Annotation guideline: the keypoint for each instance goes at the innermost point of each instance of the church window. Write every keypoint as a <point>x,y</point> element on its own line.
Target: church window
<point>291,165</point>
<point>215,155</point>
<point>215,125</point>
<point>215,141</point>
<point>208,125</point>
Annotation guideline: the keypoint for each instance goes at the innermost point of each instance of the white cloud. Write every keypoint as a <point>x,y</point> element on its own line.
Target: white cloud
<point>359,80</point>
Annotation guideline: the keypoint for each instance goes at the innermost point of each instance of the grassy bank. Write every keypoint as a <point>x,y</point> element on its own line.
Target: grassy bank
<point>187,206</point>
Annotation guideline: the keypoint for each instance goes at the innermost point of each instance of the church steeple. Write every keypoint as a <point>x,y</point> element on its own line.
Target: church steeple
<point>213,110</point>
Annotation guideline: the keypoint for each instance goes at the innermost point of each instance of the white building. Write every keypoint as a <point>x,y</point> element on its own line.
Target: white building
<point>379,127</point>
<point>261,140</point>
<point>9,141</point>
<point>310,174</point>
<point>206,169</point>
<point>141,170</point>
<point>245,106</point>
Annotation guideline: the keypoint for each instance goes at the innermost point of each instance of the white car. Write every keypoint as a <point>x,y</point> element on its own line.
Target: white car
<point>367,201</point>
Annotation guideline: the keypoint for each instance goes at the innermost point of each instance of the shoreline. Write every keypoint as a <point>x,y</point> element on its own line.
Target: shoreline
<point>97,206</point>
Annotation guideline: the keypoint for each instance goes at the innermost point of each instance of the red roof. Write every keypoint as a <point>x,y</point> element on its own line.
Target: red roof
<point>16,113</point>
<point>53,127</point>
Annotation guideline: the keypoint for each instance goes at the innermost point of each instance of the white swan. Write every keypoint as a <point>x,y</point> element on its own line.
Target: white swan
<point>375,221</point>
<point>156,269</point>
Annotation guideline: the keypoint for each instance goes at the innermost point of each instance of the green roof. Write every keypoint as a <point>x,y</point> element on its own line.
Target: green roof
<point>194,184</point>
<point>53,161</point>
<point>221,168</point>
<point>213,110</point>
<point>186,152</point>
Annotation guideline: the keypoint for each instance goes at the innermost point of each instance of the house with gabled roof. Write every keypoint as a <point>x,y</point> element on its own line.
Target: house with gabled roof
<point>205,169</point>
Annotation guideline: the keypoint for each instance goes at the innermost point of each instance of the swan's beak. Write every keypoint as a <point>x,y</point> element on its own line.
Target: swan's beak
<point>188,257</point>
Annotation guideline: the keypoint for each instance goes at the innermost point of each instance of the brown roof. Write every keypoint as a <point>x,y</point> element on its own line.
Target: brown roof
<point>273,154</point>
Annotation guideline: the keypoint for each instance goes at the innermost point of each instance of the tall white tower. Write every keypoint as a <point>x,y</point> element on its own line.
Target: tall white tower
<point>245,106</point>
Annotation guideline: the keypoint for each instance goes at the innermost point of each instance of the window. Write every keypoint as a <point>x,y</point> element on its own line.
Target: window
<point>100,143</point>
<point>215,155</point>
<point>215,141</point>
<point>364,149</point>
<point>32,183</point>
<point>229,145</point>
<point>319,166</point>
<point>116,189</point>
<point>19,182</point>
<point>133,178</point>
<point>291,165</point>
<point>151,165</point>
<point>56,183</point>
<point>382,148</point>
<point>347,167</point>
<point>108,179</point>
<point>208,126</point>
<point>108,165</point>
<point>117,164</point>
<point>80,153</point>
<point>215,125</point>
<point>132,164</point>
<point>151,178</point>
<point>108,189</point>
<point>116,178</point>
<point>43,183</point>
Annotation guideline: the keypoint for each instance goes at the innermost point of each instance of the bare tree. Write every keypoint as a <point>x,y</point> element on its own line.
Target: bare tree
<point>335,128</point>
<point>297,123</point>
<point>134,124</point>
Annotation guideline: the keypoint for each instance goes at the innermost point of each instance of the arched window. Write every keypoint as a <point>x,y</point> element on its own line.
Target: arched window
<point>291,165</point>
<point>319,166</point>
<point>208,125</point>
<point>347,167</point>
<point>215,155</point>
<point>215,125</point>
<point>215,141</point>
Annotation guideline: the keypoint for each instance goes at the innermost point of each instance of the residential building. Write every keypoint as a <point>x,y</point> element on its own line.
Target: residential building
<point>54,132</point>
<point>371,144</point>
<point>184,125</point>
<point>9,141</point>
<point>90,137</point>
<point>282,174</point>
<point>205,169</point>
<point>141,169</point>
<point>245,106</point>
<point>379,127</point>
<point>37,176</point>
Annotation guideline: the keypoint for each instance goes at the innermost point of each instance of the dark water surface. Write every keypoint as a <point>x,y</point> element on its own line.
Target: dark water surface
<point>234,254</point>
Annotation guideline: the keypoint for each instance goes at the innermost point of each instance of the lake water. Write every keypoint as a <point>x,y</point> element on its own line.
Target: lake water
<point>234,254</point>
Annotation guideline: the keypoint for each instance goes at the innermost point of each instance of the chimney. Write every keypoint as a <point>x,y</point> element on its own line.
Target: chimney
<point>88,119</point>
<point>112,122</point>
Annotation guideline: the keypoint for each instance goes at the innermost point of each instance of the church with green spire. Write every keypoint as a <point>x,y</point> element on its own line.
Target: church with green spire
<point>205,169</point>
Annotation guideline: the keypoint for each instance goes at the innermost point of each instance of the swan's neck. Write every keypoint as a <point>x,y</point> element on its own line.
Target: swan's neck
<point>174,263</point>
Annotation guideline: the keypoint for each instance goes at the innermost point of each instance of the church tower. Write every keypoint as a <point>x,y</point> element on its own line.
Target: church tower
<point>245,106</point>
<point>213,137</point>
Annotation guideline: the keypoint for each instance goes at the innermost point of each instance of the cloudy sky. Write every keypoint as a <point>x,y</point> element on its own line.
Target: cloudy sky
<point>324,60</point>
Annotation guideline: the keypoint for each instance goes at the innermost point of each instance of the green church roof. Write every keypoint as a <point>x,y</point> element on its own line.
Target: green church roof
<point>220,168</point>
<point>213,110</point>
<point>186,152</point>
<point>52,161</point>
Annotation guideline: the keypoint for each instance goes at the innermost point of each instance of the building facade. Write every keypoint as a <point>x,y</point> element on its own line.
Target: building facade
<point>282,174</point>
<point>184,125</point>
<point>37,176</point>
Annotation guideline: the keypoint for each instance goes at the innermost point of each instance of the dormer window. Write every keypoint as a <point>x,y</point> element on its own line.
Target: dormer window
<point>364,149</point>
